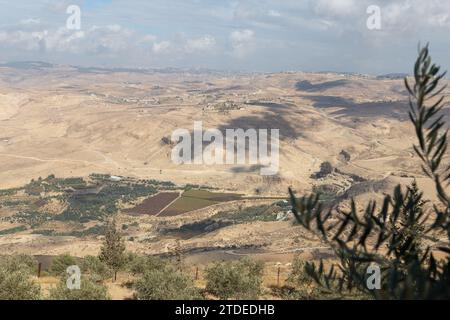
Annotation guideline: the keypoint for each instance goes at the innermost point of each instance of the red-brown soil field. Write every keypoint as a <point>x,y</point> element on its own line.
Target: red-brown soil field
<point>153,205</point>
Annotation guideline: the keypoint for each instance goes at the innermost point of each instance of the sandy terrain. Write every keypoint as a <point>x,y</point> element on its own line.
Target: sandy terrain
<point>72,122</point>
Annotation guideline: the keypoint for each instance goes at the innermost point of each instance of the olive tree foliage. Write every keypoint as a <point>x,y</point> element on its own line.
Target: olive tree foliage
<point>17,285</point>
<point>89,290</point>
<point>15,278</point>
<point>305,287</point>
<point>61,263</point>
<point>165,283</point>
<point>388,234</point>
<point>95,269</point>
<point>300,285</point>
<point>139,264</point>
<point>410,234</point>
<point>157,279</point>
<point>235,279</point>
<point>21,262</point>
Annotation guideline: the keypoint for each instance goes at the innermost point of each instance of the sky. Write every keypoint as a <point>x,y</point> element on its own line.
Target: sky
<point>234,35</point>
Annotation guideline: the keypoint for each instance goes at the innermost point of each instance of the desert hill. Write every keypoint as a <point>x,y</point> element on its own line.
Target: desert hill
<point>346,135</point>
<point>72,121</point>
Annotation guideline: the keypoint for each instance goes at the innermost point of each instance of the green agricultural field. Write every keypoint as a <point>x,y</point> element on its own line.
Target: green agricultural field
<point>186,204</point>
<point>197,199</point>
<point>212,196</point>
<point>76,199</point>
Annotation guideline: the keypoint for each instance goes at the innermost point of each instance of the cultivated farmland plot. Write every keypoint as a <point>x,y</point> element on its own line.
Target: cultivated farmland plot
<point>168,204</point>
<point>154,205</point>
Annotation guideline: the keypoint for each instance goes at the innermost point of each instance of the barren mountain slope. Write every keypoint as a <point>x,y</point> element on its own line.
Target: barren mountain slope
<point>72,122</point>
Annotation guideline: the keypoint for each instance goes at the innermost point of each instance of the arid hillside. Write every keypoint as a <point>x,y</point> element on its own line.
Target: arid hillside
<point>342,134</point>
<point>72,121</point>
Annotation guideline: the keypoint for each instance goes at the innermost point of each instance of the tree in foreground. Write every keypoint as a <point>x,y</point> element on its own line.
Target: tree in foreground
<point>95,269</point>
<point>89,290</point>
<point>165,284</point>
<point>139,264</point>
<point>23,262</point>
<point>300,285</point>
<point>390,236</point>
<point>113,249</point>
<point>409,233</point>
<point>237,279</point>
<point>15,279</point>
<point>61,263</point>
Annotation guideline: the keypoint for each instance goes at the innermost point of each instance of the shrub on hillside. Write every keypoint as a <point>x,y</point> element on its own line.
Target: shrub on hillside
<point>302,286</point>
<point>89,290</point>
<point>95,269</point>
<point>326,168</point>
<point>25,263</point>
<point>139,264</point>
<point>298,278</point>
<point>17,285</point>
<point>165,284</point>
<point>61,263</point>
<point>239,280</point>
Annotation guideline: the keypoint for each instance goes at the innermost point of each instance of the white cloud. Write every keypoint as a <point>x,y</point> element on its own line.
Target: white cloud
<point>161,47</point>
<point>319,34</point>
<point>205,43</point>
<point>274,13</point>
<point>411,14</point>
<point>149,38</point>
<point>23,39</point>
<point>336,7</point>
<point>397,16</point>
<point>440,20</point>
<point>30,21</point>
<point>97,39</point>
<point>109,39</point>
<point>239,36</point>
<point>242,42</point>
